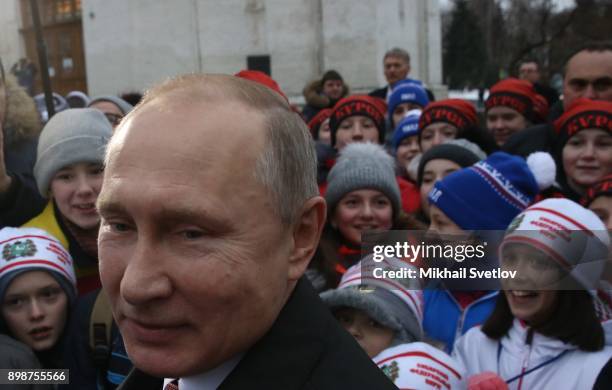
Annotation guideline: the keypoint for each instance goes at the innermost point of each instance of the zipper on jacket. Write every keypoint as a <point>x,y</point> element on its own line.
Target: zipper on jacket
<point>526,356</point>
<point>460,323</point>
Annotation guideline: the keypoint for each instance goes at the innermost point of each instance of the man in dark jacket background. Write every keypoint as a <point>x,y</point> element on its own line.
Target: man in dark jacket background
<point>529,70</point>
<point>396,64</point>
<point>588,73</point>
<point>324,93</point>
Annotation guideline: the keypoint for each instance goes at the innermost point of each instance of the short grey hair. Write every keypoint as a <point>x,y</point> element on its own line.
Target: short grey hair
<point>287,165</point>
<point>398,53</point>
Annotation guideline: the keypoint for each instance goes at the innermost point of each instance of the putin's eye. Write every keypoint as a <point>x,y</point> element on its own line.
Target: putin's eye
<point>192,234</point>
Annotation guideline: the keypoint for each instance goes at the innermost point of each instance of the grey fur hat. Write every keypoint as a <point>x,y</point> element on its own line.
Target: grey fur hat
<point>362,166</point>
<point>71,136</point>
<point>124,106</point>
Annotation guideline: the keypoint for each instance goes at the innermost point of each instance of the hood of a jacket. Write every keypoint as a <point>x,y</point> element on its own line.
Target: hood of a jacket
<point>314,96</point>
<point>21,119</point>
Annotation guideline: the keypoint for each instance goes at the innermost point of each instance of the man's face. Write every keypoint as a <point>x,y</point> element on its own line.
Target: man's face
<point>333,89</point>
<point>396,69</point>
<point>588,74</point>
<point>529,71</point>
<point>192,255</point>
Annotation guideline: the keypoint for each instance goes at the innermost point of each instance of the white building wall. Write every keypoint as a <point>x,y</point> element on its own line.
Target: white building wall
<point>11,42</point>
<point>133,44</point>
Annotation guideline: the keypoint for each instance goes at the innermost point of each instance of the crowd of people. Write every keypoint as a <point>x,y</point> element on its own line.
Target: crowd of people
<point>209,234</point>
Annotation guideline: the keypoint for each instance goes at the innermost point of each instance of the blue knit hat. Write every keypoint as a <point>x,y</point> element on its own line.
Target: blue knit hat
<point>490,193</point>
<point>408,127</point>
<point>407,93</point>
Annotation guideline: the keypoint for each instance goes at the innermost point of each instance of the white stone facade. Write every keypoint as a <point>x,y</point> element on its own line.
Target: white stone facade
<point>12,47</point>
<point>132,44</point>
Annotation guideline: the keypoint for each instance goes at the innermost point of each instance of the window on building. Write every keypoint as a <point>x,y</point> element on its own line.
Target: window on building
<point>52,11</point>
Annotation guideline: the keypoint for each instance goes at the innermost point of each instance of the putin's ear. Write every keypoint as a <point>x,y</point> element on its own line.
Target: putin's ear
<point>306,234</point>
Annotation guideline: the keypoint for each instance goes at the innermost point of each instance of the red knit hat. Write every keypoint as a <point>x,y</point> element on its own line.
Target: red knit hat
<point>583,114</point>
<point>456,112</point>
<point>373,108</point>
<point>261,78</point>
<point>317,120</point>
<point>602,187</point>
<point>520,96</point>
<point>540,108</point>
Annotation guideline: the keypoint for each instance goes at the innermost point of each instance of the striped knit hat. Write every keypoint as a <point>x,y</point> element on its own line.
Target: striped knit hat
<point>394,303</point>
<point>569,234</point>
<point>362,166</point>
<point>30,249</point>
<point>489,194</point>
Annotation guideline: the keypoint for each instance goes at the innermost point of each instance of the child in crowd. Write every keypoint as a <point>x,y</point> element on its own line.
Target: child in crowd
<point>583,146</point>
<point>384,316</point>
<point>485,196</point>
<point>319,127</point>
<point>450,119</point>
<point>113,107</point>
<point>405,98</point>
<point>544,331</point>
<point>598,199</point>
<point>512,106</point>
<point>356,118</point>
<point>439,162</point>
<point>362,195</point>
<point>68,172</point>
<point>359,119</point>
<point>406,142</point>
<point>37,289</point>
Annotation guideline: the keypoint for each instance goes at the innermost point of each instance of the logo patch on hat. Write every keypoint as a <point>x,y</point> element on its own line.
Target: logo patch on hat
<point>516,222</point>
<point>435,194</point>
<point>18,249</point>
<point>391,370</point>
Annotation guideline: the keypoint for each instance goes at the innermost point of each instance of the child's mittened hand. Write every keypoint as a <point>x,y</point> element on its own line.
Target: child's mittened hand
<point>486,381</point>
